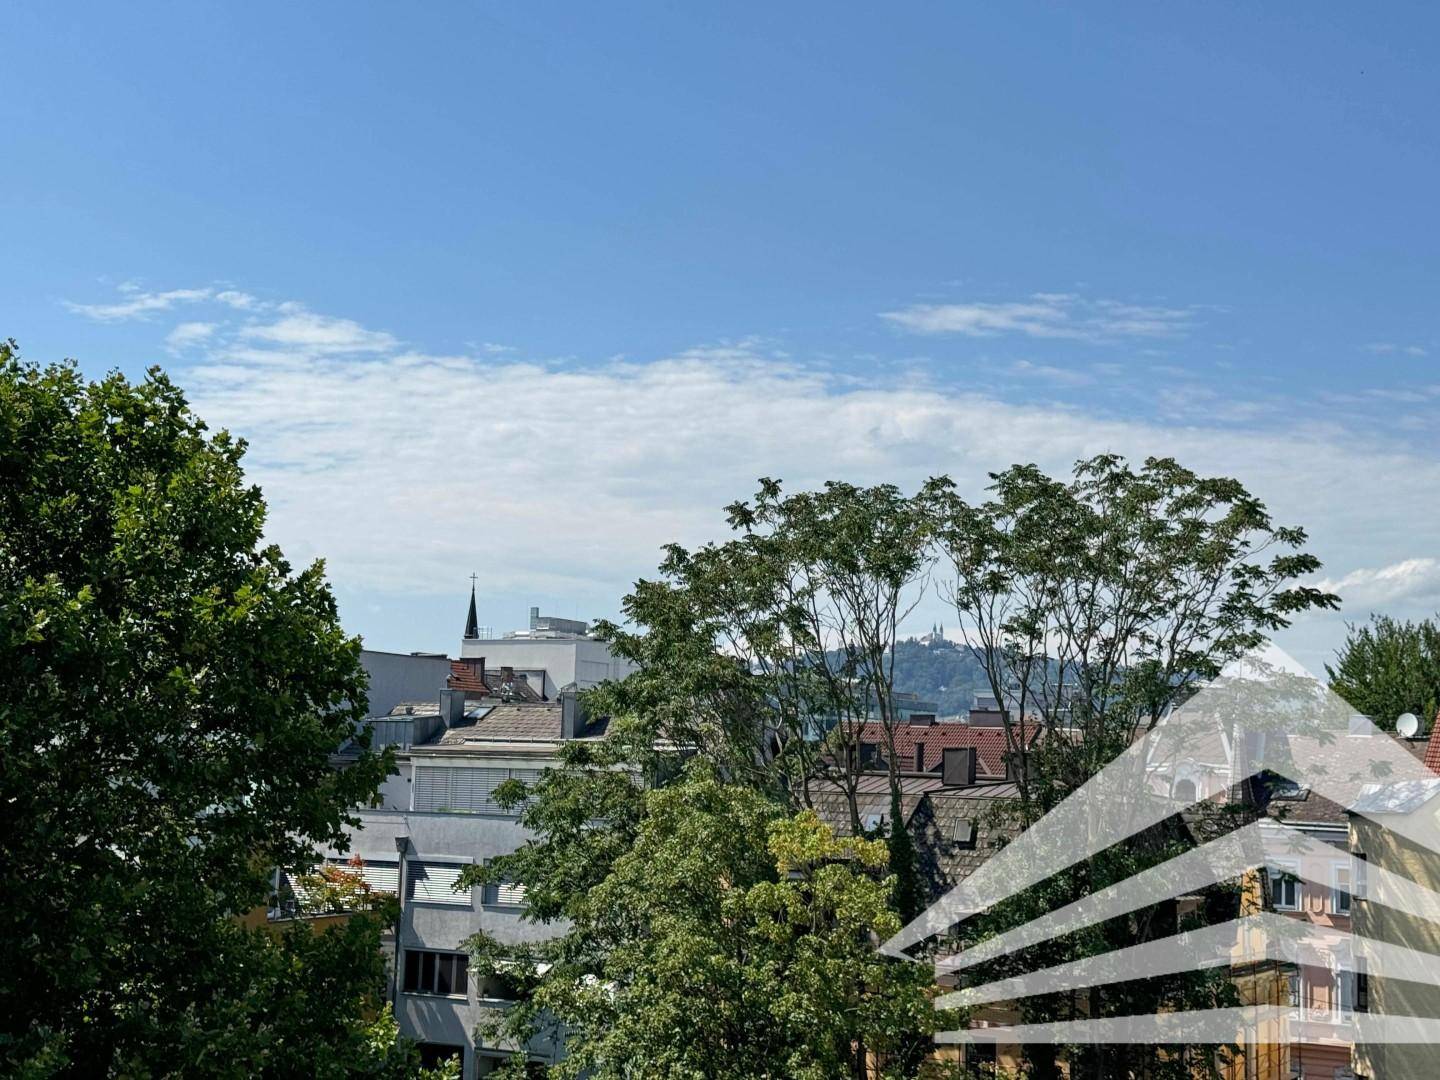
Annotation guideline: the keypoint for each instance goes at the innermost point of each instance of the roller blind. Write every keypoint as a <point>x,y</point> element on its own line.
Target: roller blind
<point>434,883</point>
<point>465,789</point>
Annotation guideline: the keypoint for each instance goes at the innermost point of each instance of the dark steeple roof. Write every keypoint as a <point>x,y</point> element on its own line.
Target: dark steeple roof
<point>472,624</point>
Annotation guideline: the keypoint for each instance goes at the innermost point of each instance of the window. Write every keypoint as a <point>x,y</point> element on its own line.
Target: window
<point>1343,995</point>
<point>1362,986</point>
<point>465,789</point>
<point>1340,889</point>
<point>1284,886</point>
<point>1281,788</point>
<point>1184,791</point>
<point>380,874</point>
<point>505,894</point>
<point>429,972</point>
<point>1294,989</point>
<point>964,832</point>
<point>434,883</point>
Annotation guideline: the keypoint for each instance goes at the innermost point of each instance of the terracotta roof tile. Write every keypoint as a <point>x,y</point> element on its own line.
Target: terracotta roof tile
<point>465,675</point>
<point>1432,750</point>
<point>989,744</point>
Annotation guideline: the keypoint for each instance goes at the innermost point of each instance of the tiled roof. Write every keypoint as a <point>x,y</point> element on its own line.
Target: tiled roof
<point>955,829</point>
<point>521,721</point>
<point>1432,751</point>
<point>989,744</point>
<point>1307,808</point>
<point>465,675</point>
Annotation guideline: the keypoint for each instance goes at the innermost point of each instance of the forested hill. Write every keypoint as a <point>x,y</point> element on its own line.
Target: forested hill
<point>940,671</point>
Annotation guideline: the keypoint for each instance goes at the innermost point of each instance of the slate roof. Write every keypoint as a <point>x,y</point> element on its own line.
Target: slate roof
<point>1309,808</point>
<point>945,852</point>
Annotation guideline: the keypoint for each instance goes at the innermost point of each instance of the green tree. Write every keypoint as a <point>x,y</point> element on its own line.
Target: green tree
<point>771,653</point>
<point>726,938</point>
<point>1388,667</point>
<point>171,692</point>
<point>1094,604</point>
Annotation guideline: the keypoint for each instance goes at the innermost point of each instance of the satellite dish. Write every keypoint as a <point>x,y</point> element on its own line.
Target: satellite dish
<point>1408,725</point>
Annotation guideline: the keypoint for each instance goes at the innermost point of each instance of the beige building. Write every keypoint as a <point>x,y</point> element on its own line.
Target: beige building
<point>1375,844</point>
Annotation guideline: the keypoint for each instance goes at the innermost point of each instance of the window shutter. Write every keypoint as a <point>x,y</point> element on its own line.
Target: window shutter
<point>464,789</point>
<point>510,894</point>
<point>431,790</point>
<point>434,883</point>
<point>380,876</point>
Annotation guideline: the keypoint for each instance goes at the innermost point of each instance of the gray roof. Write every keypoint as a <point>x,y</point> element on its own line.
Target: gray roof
<point>514,721</point>
<point>955,829</point>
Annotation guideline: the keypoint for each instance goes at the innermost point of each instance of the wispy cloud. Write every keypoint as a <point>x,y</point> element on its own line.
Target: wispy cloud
<point>1390,348</point>
<point>136,303</point>
<point>1059,316</point>
<point>303,329</point>
<point>406,470</point>
<point>500,460</point>
<point>1409,579</point>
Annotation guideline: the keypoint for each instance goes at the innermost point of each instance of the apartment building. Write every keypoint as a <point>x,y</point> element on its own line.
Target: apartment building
<point>460,728</point>
<point>1376,844</point>
<point>438,816</point>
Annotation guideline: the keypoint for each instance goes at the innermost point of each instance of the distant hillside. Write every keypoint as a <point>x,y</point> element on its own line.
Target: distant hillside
<point>940,671</point>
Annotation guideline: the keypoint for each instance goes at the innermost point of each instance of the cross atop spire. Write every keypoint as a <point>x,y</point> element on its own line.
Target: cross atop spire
<point>472,624</point>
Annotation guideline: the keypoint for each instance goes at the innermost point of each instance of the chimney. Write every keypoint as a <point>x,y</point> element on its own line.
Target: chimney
<point>572,716</point>
<point>919,757</point>
<point>452,707</point>
<point>957,766</point>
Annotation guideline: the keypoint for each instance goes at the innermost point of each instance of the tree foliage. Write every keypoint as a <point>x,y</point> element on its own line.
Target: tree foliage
<point>171,692</point>
<point>1095,604</point>
<point>1089,605</point>
<point>1387,667</point>
<point>727,938</point>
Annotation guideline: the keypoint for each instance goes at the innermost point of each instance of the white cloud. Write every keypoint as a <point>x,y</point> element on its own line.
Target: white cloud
<point>1062,316</point>
<point>407,470</point>
<point>303,329</point>
<point>187,334</point>
<point>1414,580</point>
<point>137,304</point>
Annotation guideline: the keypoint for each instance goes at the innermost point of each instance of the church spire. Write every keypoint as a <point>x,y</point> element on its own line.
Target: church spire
<point>472,624</point>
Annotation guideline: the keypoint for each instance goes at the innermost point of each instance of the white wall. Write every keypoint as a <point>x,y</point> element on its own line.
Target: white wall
<point>397,677</point>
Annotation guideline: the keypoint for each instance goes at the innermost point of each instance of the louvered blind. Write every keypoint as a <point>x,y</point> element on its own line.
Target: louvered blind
<point>434,883</point>
<point>464,788</point>
<point>509,894</point>
<point>381,876</point>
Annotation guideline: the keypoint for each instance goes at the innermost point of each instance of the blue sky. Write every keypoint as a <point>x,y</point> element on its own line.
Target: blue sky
<point>530,289</point>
